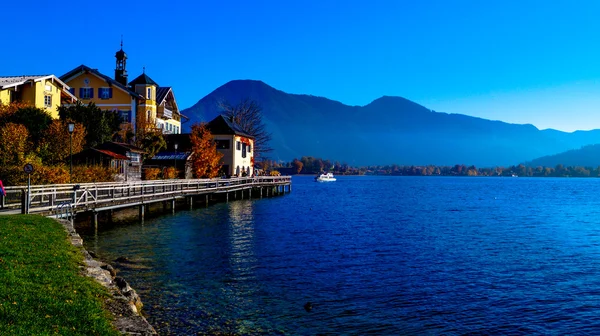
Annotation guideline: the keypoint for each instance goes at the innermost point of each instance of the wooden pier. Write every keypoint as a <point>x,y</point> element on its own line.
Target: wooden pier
<point>66,200</point>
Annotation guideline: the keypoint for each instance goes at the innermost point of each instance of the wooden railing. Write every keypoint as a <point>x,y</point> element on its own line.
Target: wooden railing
<point>89,196</point>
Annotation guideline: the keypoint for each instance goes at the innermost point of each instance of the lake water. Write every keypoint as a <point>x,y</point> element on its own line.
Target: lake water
<point>373,255</point>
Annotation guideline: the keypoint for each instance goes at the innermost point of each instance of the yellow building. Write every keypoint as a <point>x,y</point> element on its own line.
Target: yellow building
<point>45,92</point>
<point>140,96</point>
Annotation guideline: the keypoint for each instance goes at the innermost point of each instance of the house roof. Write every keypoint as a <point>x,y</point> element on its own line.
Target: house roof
<point>142,79</point>
<point>111,154</point>
<point>103,152</point>
<point>223,125</point>
<point>83,68</point>
<point>171,156</point>
<point>12,81</point>
<point>161,94</point>
<point>120,145</point>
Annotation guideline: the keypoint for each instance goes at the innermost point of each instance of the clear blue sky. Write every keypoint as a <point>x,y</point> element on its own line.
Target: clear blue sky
<point>532,62</point>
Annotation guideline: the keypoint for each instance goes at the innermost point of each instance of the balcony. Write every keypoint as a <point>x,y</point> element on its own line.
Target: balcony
<point>167,114</point>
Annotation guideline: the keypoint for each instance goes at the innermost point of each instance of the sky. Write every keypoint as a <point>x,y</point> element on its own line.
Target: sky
<point>535,62</point>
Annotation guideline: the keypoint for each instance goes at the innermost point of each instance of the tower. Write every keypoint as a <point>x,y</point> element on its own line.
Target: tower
<point>120,70</point>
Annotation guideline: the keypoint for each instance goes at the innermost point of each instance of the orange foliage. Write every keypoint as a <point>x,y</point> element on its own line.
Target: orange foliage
<point>59,174</point>
<point>10,109</point>
<point>14,143</point>
<point>151,173</point>
<point>206,159</point>
<point>89,174</point>
<point>170,173</point>
<point>54,146</point>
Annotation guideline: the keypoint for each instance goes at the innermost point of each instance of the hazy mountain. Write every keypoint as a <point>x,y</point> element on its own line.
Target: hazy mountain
<point>587,156</point>
<point>388,130</point>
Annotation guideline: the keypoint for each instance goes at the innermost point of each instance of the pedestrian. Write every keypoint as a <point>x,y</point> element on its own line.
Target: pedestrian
<point>2,191</point>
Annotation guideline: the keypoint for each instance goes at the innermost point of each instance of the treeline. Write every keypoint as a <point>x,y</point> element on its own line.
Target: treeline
<point>312,165</point>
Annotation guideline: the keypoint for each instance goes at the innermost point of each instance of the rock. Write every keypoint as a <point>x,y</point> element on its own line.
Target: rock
<point>110,269</point>
<point>122,260</point>
<point>93,254</point>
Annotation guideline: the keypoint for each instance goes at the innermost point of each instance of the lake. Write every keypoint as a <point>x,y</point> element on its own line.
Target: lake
<point>373,255</point>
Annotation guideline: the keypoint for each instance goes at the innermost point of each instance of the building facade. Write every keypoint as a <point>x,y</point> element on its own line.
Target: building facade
<point>235,145</point>
<point>140,101</point>
<point>47,92</point>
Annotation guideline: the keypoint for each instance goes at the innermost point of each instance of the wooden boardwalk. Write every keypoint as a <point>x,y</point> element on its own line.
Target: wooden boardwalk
<point>67,199</point>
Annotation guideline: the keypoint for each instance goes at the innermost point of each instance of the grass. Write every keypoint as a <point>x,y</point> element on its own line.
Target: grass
<point>41,289</point>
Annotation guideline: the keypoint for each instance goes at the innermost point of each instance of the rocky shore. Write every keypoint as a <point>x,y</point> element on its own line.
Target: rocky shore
<point>124,304</point>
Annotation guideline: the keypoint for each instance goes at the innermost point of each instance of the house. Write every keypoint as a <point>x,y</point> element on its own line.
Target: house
<point>235,144</point>
<point>142,99</point>
<point>47,92</point>
<point>133,171</point>
<point>178,154</point>
<point>102,157</point>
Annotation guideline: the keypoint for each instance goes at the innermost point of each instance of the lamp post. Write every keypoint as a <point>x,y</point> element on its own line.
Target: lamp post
<point>71,129</point>
<point>175,158</point>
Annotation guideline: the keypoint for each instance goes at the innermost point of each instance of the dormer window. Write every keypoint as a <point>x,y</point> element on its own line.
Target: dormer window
<point>149,96</point>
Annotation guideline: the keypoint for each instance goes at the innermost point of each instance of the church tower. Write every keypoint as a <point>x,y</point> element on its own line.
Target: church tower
<point>120,71</point>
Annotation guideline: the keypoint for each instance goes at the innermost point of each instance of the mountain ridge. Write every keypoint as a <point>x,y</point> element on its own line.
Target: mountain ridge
<point>388,130</point>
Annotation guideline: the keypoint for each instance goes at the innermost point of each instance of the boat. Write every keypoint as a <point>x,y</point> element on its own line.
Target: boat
<point>325,178</point>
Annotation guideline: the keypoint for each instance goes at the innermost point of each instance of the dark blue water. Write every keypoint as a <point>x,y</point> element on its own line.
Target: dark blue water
<point>374,255</point>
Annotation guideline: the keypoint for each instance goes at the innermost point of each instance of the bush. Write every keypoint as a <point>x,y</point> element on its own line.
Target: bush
<point>170,173</point>
<point>14,175</point>
<point>151,173</point>
<point>275,173</point>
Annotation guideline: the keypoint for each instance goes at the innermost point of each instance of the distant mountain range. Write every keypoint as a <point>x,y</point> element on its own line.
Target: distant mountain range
<point>388,130</point>
<point>587,156</point>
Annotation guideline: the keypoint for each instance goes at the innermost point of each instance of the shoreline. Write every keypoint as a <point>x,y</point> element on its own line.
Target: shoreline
<point>124,303</point>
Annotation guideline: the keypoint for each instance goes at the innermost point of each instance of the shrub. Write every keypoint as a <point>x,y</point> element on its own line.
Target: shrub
<point>170,173</point>
<point>151,173</point>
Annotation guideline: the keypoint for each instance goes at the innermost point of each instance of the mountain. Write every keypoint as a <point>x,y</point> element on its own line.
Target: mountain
<point>388,130</point>
<point>587,156</point>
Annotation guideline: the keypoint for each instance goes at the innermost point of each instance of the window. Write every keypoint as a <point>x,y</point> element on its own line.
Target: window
<point>86,93</point>
<point>177,129</point>
<point>48,100</point>
<point>249,148</point>
<point>125,116</point>
<point>238,145</point>
<point>105,93</point>
<point>222,144</point>
<point>48,88</point>
<point>243,150</point>
<point>148,115</point>
<point>149,96</point>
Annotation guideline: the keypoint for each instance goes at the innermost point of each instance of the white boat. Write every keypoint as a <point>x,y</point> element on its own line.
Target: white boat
<point>325,178</point>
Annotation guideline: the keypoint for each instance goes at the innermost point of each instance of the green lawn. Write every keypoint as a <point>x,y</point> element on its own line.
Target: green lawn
<point>41,290</point>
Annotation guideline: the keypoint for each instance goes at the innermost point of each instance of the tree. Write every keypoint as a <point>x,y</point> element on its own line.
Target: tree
<point>55,146</point>
<point>101,125</point>
<point>14,144</point>
<point>247,114</point>
<point>206,161</point>
<point>147,136</point>
<point>36,120</point>
<point>297,165</point>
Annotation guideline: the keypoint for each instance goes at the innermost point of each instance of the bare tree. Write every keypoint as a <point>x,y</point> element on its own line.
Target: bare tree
<point>247,114</point>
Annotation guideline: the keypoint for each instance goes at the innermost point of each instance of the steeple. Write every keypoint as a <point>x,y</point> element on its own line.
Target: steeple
<point>120,69</point>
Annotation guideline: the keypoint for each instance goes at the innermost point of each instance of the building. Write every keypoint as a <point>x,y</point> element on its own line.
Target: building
<point>141,100</point>
<point>105,158</point>
<point>235,144</point>
<point>134,153</point>
<point>47,92</point>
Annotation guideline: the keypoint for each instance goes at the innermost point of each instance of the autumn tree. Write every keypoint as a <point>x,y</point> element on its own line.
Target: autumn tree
<point>14,144</point>
<point>36,120</point>
<point>101,125</point>
<point>54,146</point>
<point>247,114</point>
<point>297,165</point>
<point>206,160</point>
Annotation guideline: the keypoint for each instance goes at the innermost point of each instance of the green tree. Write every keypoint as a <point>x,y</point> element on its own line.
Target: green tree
<point>101,125</point>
